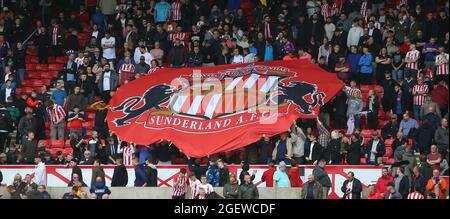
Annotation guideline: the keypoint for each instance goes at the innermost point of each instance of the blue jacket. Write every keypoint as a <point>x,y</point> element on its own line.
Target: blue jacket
<point>381,149</point>
<point>140,176</point>
<point>268,54</point>
<point>365,62</point>
<point>100,189</point>
<point>213,175</point>
<point>353,60</point>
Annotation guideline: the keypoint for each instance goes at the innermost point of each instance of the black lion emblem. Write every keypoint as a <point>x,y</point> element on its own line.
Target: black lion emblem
<point>297,91</point>
<point>152,98</point>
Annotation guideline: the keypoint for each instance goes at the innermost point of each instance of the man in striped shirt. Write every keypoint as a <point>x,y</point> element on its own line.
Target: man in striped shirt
<point>180,185</point>
<point>442,65</point>
<point>415,194</point>
<point>176,11</point>
<point>193,183</point>
<point>420,90</point>
<point>411,60</point>
<point>57,120</point>
<point>127,152</point>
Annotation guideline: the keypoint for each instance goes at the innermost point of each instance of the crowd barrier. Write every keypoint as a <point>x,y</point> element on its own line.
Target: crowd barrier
<point>59,176</point>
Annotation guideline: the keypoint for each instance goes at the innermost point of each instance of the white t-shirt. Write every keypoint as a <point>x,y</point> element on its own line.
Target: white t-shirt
<point>109,53</point>
<point>138,54</point>
<point>7,93</point>
<point>106,81</point>
<point>237,59</point>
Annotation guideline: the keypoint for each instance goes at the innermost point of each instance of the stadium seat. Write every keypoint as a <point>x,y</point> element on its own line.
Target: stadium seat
<point>88,124</point>
<point>53,151</point>
<point>49,74</point>
<point>67,143</point>
<point>34,59</point>
<point>55,67</point>
<point>45,143</point>
<point>367,132</point>
<point>365,88</point>
<point>90,116</point>
<point>30,67</point>
<point>31,51</point>
<point>56,143</point>
<point>61,59</point>
<point>27,83</point>
<point>41,67</point>
<point>390,161</point>
<point>67,151</point>
<point>362,161</point>
<point>388,142</point>
<point>389,152</point>
<point>51,59</point>
<point>379,89</point>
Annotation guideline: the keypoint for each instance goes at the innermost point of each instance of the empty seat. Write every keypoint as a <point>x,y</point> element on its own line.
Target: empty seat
<point>367,132</point>
<point>41,67</point>
<point>362,161</point>
<point>55,143</point>
<point>365,88</point>
<point>388,142</point>
<point>67,151</point>
<point>90,116</point>
<point>34,59</point>
<point>61,59</point>
<point>55,67</point>
<point>51,59</point>
<point>391,161</point>
<point>389,152</point>
<point>53,151</point>
<point>30,66</point>
<point>88,124</point>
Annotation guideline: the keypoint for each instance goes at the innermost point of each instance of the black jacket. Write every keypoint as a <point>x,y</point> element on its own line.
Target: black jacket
<point>224,176</point>
<point>152,176</point>
<point>333,152</point>
<point>404,187</point>
<point>354,153</point>
<point>120,176</point>
<point>356,189</point>
<point>389,130</point>
<point>6,122</point>
<point>316,153</point>
<point>177,55</point>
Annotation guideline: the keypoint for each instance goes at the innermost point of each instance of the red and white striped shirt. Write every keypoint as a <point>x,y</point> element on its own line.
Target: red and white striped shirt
<point>126,68</point>
<point>194,185</point>
<point>180,188</point>
<point>176,11</point>
<point>207,187</point>
<point>267,30</point>
<point>401,3</point>
<point>419,98</point>
<point>179,35</point>
<point>442,64</point>
<point>363,10</point>
<point>55,36</point>
<point>411,55</point>
<point>415,195</point>
<point>127,153</point>
<point>327,11</point>
<point>56,114</point>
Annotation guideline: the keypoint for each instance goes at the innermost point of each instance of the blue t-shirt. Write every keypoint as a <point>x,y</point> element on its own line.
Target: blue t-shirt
<point>58,96</point>
<point>429,56</point>
<point>281,149</point>
<point>282,179</point>
<point>162,10</point>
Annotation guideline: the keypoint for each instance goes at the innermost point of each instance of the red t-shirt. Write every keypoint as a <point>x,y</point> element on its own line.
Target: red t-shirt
<point>268,176</point>
<point>432,157</point>
<point>294,177</point>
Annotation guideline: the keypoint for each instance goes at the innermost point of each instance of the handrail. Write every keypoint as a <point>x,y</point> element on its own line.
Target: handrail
<point>29,37</point>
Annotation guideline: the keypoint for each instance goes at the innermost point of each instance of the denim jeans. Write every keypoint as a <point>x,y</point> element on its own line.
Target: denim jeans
<point>396,75</point>
<point>416,110</point>
<point>20,74</point>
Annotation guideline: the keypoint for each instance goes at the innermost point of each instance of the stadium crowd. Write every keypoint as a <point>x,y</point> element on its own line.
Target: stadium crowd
<point>392,55</point>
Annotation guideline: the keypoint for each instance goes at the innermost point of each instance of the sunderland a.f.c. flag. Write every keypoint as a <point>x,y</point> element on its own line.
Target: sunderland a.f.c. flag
<point>221,108</point>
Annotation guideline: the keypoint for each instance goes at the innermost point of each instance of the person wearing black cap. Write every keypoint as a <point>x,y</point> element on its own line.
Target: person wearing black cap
<point>375,148</point>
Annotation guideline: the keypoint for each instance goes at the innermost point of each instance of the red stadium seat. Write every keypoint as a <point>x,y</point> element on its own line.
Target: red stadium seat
<point>365,88</point>
<point>30,67</point>
<point>391,161</point>
<point>90,116</point>
<point>27,83</point>
<point>34,59</point>
<point>56,143</point>
<point>55,67</point>
<point>379,89</point>
<point>53,151</point>
<point>88,124</point>
<point>367,132</point>
<point>61,59</point>
<point>41,67</point>
<point>362,161</point>
<point>67,144</point>
<point>31,51</point>
<point>389,152</point>
<point>83,36</point>
<point>51,59</point>
<point>49,74</point>
<point>388,142</point>
<point>45,143</point>
<point>67,151</point>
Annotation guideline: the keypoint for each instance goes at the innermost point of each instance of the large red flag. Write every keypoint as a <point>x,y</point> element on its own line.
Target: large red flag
<point>221,108</point>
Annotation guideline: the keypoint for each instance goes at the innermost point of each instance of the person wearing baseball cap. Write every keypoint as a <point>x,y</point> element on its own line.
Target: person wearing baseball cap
<point>375,148</point>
